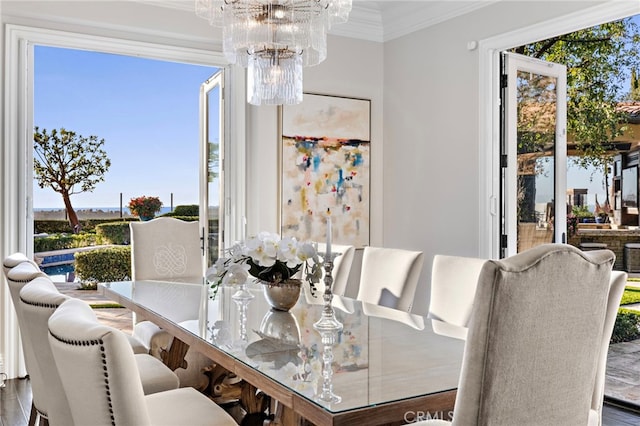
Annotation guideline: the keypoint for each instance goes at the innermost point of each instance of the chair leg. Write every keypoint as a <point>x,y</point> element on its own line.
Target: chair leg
<point>33,416</point>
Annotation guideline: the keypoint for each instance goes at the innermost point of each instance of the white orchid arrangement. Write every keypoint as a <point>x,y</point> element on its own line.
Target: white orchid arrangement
<point>268,258</point>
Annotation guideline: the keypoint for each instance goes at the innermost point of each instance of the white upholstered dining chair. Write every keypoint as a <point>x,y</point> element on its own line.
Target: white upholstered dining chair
<point>169,249</point>
<point>453,288</point>
<point>377,311</point>
<point>32,311</point>
<point>389,277</point>
<point>38,300</point>
<point>618,283</point>
<point>18,274</point>
<point>535,342</point>
<point>100,378</point>
<point>14,260</point>
<point>341,267</point>
<point>166,249</point>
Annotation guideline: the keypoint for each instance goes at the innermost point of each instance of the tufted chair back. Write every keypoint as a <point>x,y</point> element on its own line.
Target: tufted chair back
<point>97,368</point>
<point>14,260</point>
<point>38,301</point>
<point>17,277</point>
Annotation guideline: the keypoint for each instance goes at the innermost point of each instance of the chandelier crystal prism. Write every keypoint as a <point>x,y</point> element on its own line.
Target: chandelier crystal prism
<point>274,40</point>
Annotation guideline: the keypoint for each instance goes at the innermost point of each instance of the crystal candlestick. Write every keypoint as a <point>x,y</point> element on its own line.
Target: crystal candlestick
<point>326,393</point>
<point>328,321</point>
<point>329,328</point>
<point>242,297</point>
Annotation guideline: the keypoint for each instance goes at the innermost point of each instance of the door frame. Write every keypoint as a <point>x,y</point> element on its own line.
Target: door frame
<point>489,50</point>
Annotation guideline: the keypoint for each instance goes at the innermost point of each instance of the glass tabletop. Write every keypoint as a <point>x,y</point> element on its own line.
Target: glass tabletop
<point>381,355</point>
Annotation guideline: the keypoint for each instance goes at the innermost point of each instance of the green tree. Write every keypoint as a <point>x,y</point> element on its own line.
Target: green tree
<point>69,164</point>
<point>598,60</point>
<point>634,93</point>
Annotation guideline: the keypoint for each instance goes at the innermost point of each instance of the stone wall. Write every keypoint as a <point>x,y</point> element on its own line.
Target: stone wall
<point>615,239</point>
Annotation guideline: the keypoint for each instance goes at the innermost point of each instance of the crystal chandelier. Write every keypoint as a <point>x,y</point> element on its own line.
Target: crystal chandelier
<point>274,39</point>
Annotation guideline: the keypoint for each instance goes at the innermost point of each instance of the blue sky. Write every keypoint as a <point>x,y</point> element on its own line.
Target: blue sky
<point>145,110</point>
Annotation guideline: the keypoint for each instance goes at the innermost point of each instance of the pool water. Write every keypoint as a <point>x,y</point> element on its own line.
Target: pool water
<point>60,273</point>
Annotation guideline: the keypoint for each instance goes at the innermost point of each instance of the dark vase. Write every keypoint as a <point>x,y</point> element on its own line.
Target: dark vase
<point>146,218</point>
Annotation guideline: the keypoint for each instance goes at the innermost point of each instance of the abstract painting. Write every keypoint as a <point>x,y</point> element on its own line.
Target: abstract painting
<point>325,166</point>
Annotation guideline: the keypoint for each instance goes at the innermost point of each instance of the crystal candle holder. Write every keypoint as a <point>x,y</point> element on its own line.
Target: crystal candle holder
<point>329,328</point>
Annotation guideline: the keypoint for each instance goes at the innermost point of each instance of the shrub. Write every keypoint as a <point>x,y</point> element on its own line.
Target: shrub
<point>89,225</point>
<point>627,326</point>
<point>62,226</point>
<point>187,210</point>
<point>51,226</point>
<point>113,233</point>
<point>104,265</point>
<point>185,218</point>
<point>63,241</point>
<point>581,212</point>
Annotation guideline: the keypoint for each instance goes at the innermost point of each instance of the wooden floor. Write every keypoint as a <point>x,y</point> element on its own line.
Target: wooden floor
<point>15,404</point>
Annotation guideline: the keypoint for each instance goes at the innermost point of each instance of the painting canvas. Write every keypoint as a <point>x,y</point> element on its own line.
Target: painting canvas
<point>325,166</point>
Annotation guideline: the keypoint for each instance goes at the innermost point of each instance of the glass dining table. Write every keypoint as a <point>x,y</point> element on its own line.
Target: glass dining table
<point>388,366</point>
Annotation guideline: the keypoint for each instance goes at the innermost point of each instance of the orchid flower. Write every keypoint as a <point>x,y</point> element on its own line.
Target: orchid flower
<point>266,256</point>
<point>238,273</point>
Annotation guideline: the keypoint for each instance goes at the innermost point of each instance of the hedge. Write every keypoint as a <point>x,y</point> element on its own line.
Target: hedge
<point>185,218</point>
<point>61,226</point>
<point>63,241</point>
<point>186,210</point>
<point>627,326</point>
<point>104,265</point>
<point>114,233</point>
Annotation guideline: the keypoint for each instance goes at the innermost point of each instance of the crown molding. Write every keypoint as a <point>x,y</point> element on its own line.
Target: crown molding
<point>413,16</point>
<point>378,21</point>
<point>365,23</point>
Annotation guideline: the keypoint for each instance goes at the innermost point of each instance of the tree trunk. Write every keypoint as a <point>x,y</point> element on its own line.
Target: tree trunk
<point>73,217</point>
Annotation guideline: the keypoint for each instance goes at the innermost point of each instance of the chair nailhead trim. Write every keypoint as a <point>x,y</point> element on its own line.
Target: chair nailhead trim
<point>104,366</point>
<point>39,304</point>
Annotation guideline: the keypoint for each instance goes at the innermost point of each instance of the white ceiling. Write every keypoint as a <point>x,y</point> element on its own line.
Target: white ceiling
<point>381,20</point>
